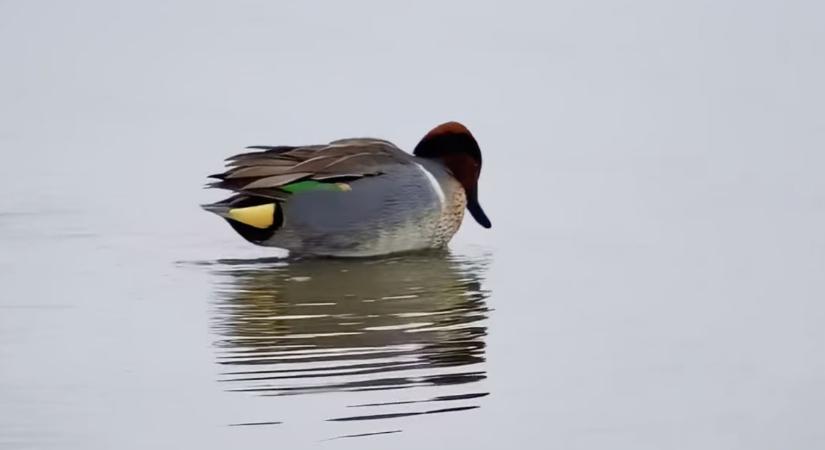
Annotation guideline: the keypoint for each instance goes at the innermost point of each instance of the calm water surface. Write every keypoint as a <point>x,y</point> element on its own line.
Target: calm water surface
<point>654,278</point>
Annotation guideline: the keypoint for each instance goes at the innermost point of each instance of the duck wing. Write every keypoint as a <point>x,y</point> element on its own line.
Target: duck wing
<point>268,170</point>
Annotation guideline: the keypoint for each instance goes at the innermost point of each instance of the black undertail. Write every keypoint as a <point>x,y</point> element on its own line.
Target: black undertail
<point>250,233</point>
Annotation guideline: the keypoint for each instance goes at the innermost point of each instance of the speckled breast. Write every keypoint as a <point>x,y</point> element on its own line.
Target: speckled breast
<point>452,213</point>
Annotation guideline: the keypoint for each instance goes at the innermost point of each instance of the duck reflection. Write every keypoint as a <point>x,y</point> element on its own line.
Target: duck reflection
<point>291,327</point>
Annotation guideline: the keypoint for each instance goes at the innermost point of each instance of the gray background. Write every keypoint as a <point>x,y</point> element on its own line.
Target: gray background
<point>653,172</point>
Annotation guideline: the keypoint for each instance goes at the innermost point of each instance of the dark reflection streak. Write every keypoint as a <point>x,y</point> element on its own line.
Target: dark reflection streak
<point>334,357</point>
<point>321,390</point>
<point>385,368</point>
<point>246,424</point>
<point>312,369</point>
<point>443,398</point>
<point>454,378</point>
<point>397,415</point>
<point>363,435</point>
<point>290,355</point>
<point>389,368</point>
<point>324,389</point>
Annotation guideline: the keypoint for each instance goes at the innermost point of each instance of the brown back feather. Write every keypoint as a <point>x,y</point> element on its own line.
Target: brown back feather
<point>263,173</point>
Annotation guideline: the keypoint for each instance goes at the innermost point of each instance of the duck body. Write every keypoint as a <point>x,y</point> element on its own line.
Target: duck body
<point>350,198</point>
<point>402,210</point>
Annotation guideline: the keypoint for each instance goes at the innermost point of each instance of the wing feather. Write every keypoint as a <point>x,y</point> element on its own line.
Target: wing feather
<point>275,181</point>
<point>264,172</point>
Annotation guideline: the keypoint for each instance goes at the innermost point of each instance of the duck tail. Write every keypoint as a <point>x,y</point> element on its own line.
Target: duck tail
<point>256,219</point>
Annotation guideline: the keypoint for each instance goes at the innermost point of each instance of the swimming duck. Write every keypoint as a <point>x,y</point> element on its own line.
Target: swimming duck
<point>354,197</point>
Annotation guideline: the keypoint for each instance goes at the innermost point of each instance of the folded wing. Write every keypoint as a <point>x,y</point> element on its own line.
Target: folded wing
<point>269,170</point>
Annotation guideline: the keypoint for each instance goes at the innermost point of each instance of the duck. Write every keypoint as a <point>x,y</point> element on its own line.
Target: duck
<point>354,197</point>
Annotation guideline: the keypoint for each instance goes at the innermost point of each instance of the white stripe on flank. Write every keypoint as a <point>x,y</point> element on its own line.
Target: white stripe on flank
<point>436,187</point>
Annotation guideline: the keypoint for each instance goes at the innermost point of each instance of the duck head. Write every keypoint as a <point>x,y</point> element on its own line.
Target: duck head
<point>452,144</point>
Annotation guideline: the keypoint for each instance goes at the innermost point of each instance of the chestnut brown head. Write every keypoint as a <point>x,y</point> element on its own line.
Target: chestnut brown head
<point>453,145</point>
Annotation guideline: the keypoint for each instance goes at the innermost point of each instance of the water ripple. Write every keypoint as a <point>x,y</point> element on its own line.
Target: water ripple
<point>414,323</point>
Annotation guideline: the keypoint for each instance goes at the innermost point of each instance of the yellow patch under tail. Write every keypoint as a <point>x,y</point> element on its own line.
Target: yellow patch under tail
<point>261,216</point>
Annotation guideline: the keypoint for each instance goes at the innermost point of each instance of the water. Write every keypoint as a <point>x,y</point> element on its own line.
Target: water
<point>370,327</point>
<point>653,278</point>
